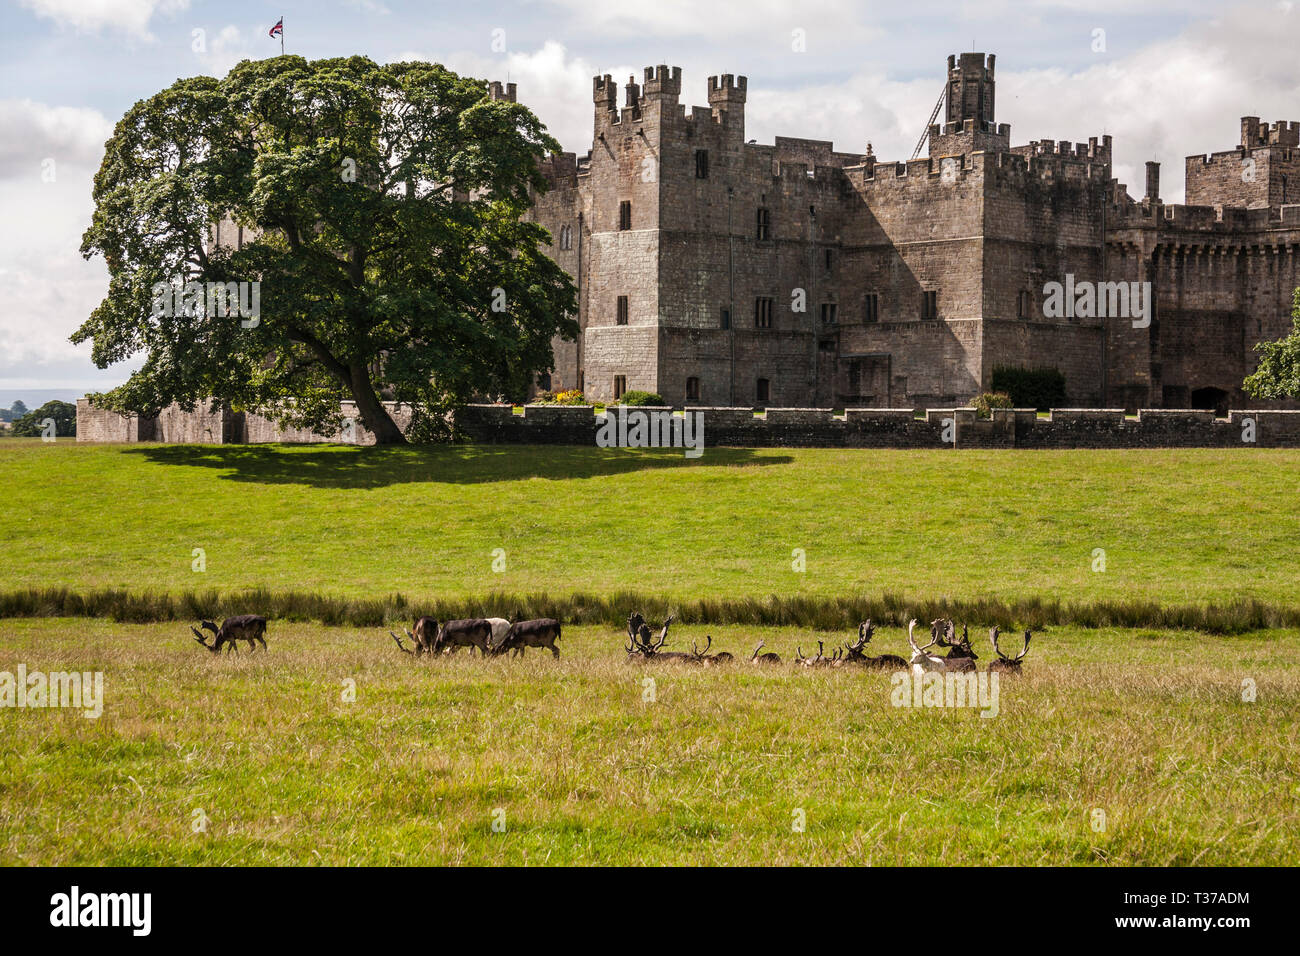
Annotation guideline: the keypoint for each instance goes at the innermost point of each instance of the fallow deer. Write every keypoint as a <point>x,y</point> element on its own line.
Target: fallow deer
<point>961,656</point>
<point>821,660</point>
<point>855,653</point>
<point>709,660</point>
<point>1004,664</point>
<point>241,627</point>
<point>542,632</point>
<point>644,647</point>
<point>921,661</point>
<point>768,658</point>
<point>472,632</point>
<point>424,638</point>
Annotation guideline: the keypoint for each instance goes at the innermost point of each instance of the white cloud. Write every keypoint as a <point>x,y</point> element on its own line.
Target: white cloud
<point>90,16</point>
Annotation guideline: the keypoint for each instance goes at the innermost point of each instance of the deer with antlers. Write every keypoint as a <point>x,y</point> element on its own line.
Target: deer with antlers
<point>644,647</point>
<point>821,660</point>
<point>921,660</point>
<point>768,658</point>
<point>705,658</point>
<point>1004,664</point>
<point>855,653</point>
<point>424,635</point>
<point>241,627</point>
<point>961,656</point>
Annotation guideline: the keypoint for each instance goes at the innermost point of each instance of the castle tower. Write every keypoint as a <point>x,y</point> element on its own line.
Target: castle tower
<point>727,98</point>
<point>968,123</point>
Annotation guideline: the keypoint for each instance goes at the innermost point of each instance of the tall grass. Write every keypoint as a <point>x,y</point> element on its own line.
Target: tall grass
<point>813,612</point>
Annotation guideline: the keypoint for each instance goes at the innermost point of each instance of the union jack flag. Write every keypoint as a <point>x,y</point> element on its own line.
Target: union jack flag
<point>278,29</point>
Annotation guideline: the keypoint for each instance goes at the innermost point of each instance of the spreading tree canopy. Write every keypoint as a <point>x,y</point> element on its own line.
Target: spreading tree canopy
<point>380,209</point>
<point>1278,374</point>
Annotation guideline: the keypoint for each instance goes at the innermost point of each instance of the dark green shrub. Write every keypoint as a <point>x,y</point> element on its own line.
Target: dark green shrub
<point>985,402</point>
<point>635,397</point>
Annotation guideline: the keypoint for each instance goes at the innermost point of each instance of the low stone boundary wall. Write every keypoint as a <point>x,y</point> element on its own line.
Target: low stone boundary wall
<point>746,428</point>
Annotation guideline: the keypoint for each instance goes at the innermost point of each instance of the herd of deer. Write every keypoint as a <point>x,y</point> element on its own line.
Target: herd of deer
<point>495,635</point>
<point>644,646</point>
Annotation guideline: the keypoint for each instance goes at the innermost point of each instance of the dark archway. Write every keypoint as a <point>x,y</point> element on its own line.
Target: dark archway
<point>1210,397</point>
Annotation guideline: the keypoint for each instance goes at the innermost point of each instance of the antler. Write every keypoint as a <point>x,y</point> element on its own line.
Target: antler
<point>993,636</point>
<point>911,626</point>
<point>199,637</point>
<point>754,657</point>
<point>400,647</point>
<point>1028,634</point>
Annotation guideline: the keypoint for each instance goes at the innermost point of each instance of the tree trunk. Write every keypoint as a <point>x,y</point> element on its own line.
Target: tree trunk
<point>373,414</point>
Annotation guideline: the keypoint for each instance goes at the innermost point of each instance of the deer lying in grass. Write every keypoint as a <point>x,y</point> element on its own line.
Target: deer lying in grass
<point>961,656</point>
<point>1004,664</point>
<point>424,638</point>
<point>768,658</point>
<point>821,660</point>
<point>709,660</point>
<point>241,627</point>
<point>921,661</point>
<point>855,653</point>
<point>644,647</point>
<point>543,632</point>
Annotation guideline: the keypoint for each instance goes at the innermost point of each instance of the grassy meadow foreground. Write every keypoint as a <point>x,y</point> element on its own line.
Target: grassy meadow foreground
<point>1148,728</point>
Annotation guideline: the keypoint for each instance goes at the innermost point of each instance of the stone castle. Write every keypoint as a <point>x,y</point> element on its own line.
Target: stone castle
<point>719,271</point>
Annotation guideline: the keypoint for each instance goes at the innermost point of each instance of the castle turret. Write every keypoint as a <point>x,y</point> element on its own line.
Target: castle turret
<point>496,91</point>
<point>970,92</point>
<point>727,95</point>
<point>663,83</point>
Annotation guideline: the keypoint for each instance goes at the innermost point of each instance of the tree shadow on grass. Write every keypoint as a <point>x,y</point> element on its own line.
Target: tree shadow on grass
<point>352,466</point>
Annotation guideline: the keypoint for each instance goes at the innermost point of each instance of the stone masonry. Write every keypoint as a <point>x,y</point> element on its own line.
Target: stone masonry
<point>719,271</point>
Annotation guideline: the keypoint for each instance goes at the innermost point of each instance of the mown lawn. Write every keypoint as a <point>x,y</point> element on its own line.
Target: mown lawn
<point>1178,526</point>
<point>1148,728</point>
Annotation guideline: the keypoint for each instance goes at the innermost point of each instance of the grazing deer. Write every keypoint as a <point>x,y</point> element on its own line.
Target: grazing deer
<point>1004,664</point>
<point>821,660</point>
<point>768,658</point>
<point>472,632</point>
<point>855,653</point>
<point>543,632</point>
<point>241,627</point>
<point>644,647</point>
<point>961,656</point>
<point>425,637</point>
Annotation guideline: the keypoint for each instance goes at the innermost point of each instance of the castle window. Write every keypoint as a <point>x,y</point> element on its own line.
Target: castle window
<point>692,389</point>
<point>763,391</point>
<point>701,164</point>
<point>929,305</point>
<point>828,260</point>
<point>566,237</point>
<point>621,317</point>
<point>764,224</point>
<point>763,307</point>
<point>872,311</point>
<point>828,313</point>
<point>1284,190</point>
<point>855,377</point>
<point>620,386</point>
<point>625,215</point>
<point>725,317</point>
<point>1024,304</point>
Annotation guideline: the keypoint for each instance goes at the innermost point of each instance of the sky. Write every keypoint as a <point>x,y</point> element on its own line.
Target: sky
<point>1166,79</point>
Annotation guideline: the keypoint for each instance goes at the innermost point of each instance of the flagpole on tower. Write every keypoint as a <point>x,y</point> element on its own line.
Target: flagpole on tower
<point>282,35</point>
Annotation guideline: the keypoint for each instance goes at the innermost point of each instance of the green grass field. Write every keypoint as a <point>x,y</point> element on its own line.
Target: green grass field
<point>1146,725</point>
<point>1176,526</point>
<point>1149,728</point>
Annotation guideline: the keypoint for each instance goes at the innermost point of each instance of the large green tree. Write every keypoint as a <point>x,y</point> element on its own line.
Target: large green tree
<point>64,415</point>
<point>1278,374</point>
<point>381,209</point>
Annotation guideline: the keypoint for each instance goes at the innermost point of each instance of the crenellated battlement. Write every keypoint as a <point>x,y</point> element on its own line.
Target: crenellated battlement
<point>663,82</point>
<point>1256,134</point>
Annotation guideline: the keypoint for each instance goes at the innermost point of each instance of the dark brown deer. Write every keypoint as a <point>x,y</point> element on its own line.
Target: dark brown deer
<point>472,632</point>
<point>542,632</point>
<point>855,653</point>
<point>241,627</point>
<point>644,647</point>
<point>768,658</point>
<point>424,638</point>
<point>1004,664</point>
<point>961,656</point>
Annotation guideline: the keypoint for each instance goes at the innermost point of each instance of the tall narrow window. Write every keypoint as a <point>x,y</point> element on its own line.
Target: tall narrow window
<point>763,307</point>
<point>829,260</point>
<point>1024,304</point>
<point>929,305</point>
<point>725,317</point>
<point>763,391</point>
<point>625,215</point>
<point>621,317</point>
<point>620,386</point>
<point>701,164</point>
<point>566,237</point>
<point>871,312</point>
<point>828,313</point>
<point>764,224</point>
<point>692,389</point>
